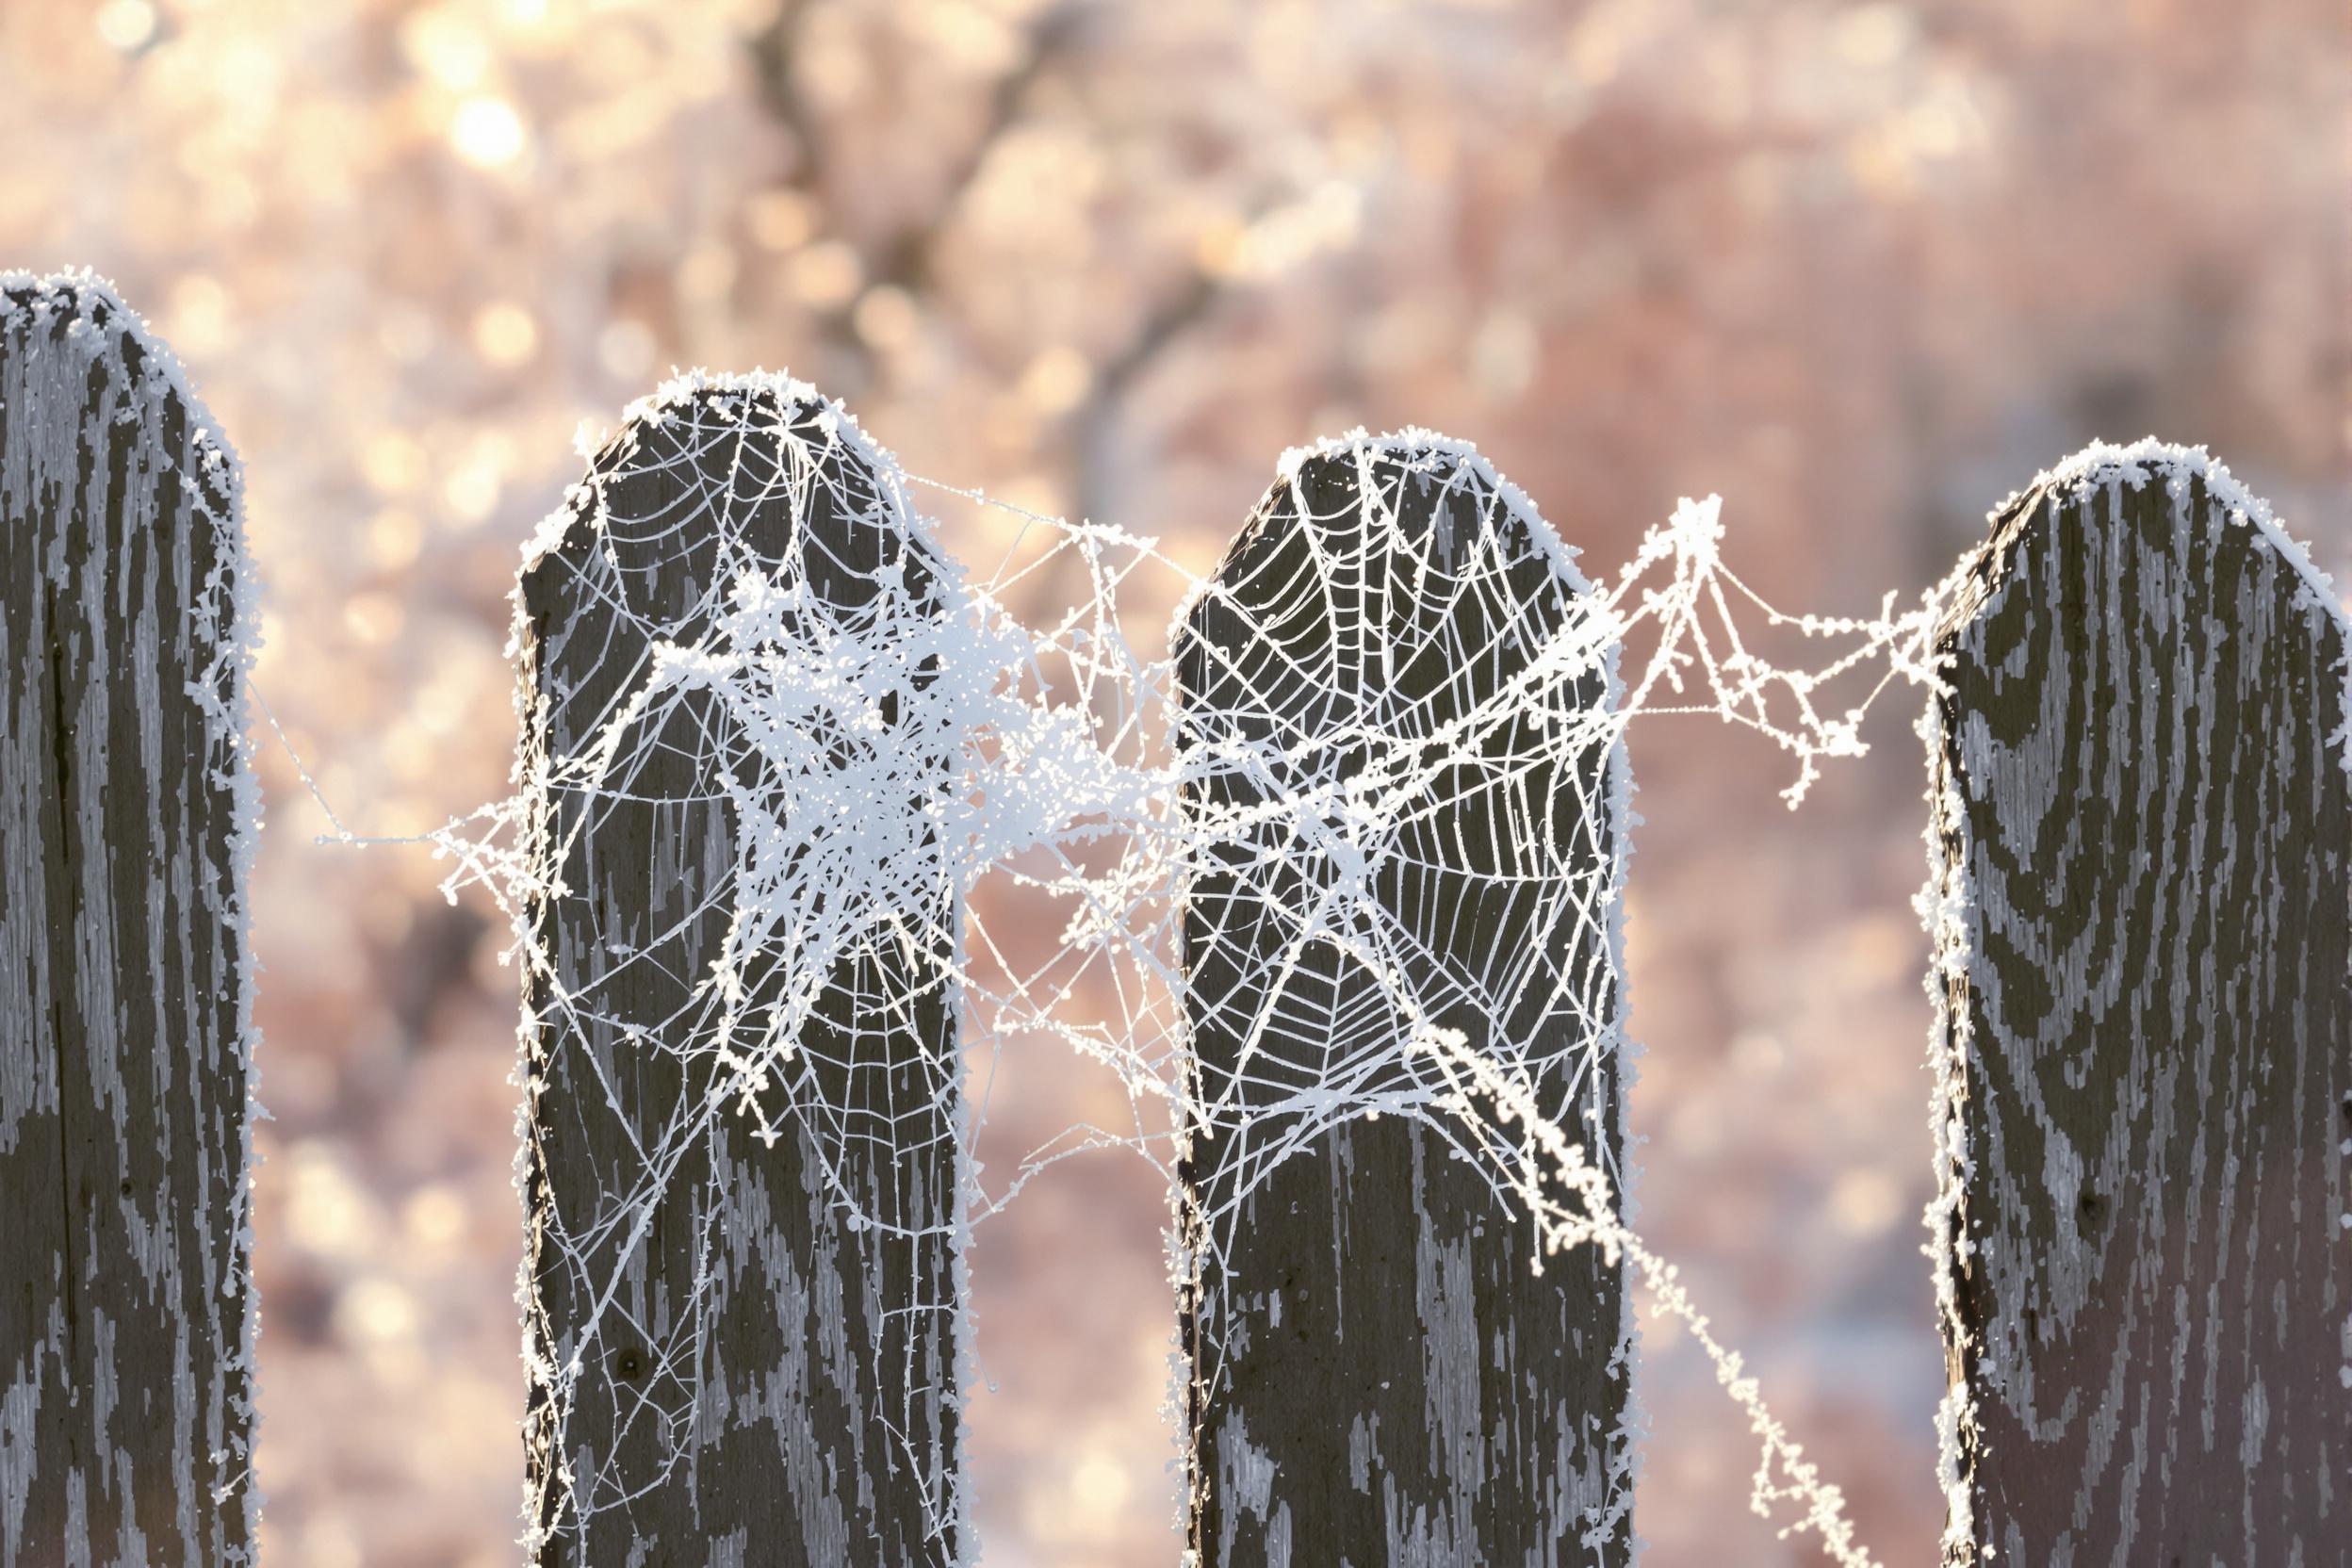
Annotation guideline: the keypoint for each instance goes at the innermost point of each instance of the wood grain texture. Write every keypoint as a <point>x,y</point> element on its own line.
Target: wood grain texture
<point>1378,1376</point>
<point>2145,845</point>
<point>125,1298</point>
<point>762,1380</point>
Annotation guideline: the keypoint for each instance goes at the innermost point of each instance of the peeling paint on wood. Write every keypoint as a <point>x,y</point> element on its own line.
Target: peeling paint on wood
<point>2142,895</point>
<point>1378,1378</point>
<point>126,815</point>
<point>726,1367</point>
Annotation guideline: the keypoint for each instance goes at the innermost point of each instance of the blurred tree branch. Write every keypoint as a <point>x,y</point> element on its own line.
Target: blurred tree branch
<point>1096,425</point>
<point>907,258</point>
<point>775,62</point>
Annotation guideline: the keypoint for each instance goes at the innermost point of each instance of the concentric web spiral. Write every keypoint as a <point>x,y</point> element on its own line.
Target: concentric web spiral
<point>775,738</point>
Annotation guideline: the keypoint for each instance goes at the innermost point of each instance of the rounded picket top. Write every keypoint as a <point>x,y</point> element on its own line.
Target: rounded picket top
<point>716,475</point>
<point>1399,758</point>
<point>1375,515</point>
<point>2141,879</point>
<point>1457,498</point>
<point>744,1291</point>
<point>128,814</point>
<point>74,342</point>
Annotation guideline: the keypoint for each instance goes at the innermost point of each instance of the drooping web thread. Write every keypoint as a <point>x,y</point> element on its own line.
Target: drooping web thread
<point>882,735</point>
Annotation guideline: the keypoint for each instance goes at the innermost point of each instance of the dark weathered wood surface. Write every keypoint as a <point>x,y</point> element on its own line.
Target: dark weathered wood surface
<point>125,1299</point>
<point>1379,1378</point>
<point>2147,1038</point>
<point>769,1382</point>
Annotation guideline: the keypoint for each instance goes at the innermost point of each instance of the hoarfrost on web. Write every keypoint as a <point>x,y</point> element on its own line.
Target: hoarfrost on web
<point>882,750</point>
<point>879,764</point>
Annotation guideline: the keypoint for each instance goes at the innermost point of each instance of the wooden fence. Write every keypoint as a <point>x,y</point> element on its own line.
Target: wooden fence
<point>745,1335</point>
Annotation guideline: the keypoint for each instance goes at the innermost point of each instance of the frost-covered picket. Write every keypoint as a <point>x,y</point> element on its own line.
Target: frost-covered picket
<point>2141,901</point>
<point>127,815</point>
<point>1397,702</point>
<point>742,1164</point>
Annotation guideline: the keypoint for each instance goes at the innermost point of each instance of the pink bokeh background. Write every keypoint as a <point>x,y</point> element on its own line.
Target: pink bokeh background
<point>1862,269</point>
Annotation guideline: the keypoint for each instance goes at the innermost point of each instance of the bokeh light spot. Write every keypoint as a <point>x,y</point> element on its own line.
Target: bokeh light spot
<point>487,132</point>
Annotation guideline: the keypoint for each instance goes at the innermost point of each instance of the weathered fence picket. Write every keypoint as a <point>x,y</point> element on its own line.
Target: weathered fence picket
<point>1379,1376</point>
<point>2144,843</point>
<point>744,1350</point>
<point>126,809</point>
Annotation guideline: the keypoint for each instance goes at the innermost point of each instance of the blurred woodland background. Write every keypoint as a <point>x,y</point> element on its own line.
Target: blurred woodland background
<point>1863,269</point>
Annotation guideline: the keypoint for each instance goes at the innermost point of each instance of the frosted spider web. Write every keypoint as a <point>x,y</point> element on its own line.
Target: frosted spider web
<point>851,739</point>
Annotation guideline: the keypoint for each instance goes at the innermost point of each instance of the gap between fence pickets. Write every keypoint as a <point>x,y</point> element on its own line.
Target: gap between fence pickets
<point>155,1494</point>
<point>2101,471</point>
